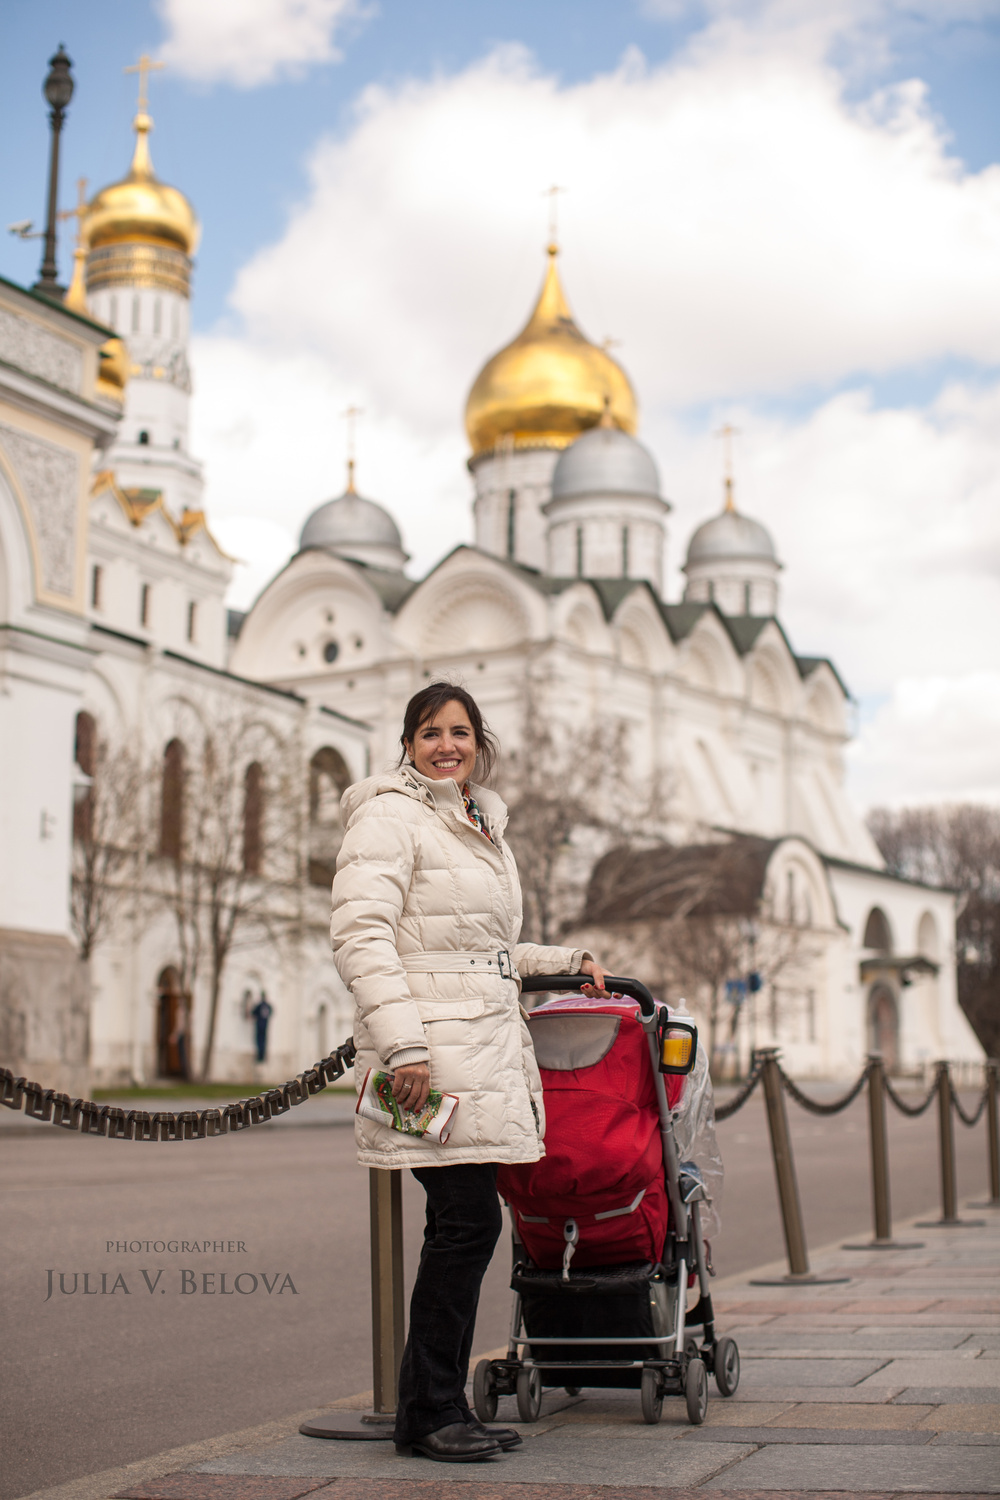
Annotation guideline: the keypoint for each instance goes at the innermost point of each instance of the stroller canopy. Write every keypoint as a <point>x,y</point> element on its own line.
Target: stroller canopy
<point>603,1163</point>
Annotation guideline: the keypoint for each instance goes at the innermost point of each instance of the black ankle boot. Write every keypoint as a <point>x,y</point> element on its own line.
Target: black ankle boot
<point>455,1444</point>
<point>505,1436</point>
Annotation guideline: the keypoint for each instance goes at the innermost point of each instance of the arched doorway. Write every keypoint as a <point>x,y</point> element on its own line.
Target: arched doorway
<point>883,1025</point>
<point>329,778</point>
<point>173,1027</point>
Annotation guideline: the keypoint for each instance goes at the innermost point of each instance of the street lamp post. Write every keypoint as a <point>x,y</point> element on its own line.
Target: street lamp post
<point>58,91</point>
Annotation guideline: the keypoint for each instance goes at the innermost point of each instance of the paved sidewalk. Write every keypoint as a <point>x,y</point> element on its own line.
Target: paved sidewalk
<point>885,1386</point>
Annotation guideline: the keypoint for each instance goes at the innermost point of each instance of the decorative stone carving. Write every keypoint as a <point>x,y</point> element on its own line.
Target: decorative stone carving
<point>35,350</point>
<point>49,477</point>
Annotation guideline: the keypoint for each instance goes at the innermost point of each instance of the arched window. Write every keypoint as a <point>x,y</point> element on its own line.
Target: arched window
<point>253,817</point>
<point>928,945</point>
<point>878,934</point>
<point>85,755</point>
<point>329,778</point>
<point>172,801</point>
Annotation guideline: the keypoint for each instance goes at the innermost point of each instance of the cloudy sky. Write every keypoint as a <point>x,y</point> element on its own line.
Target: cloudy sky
<point>787,214</point>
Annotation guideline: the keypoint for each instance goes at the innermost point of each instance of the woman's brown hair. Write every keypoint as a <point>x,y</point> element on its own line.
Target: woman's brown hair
<point>430,700</point>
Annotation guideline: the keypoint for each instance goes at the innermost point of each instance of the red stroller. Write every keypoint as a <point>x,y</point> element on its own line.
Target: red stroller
<point>607,1226</point>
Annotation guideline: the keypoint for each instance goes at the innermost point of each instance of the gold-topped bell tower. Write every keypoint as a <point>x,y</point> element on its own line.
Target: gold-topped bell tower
<point>138,236</point>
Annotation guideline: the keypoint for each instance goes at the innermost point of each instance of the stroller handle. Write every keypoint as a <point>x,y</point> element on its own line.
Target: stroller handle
<point>631,987</point>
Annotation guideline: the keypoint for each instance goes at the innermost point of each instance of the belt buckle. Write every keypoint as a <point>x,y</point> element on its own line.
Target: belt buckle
<point>506,967</point>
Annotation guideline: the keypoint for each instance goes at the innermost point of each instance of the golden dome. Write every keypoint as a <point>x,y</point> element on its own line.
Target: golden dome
<point>550,384</point>
<point>140,209</point>
<point>113,369</point>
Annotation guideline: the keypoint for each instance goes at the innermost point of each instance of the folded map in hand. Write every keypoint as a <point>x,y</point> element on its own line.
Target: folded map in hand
<point>375,1102</point>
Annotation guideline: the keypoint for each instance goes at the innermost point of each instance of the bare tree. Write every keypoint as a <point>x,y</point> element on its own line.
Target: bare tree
<point>231,820</point>
<point>570,794</point>
<point>957,846</point>
<point>702,919</point>
<point>703,955</point>
<point>108,833</point>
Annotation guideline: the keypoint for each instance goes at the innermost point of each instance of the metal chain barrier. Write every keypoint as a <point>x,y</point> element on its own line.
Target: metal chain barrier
<point>813,1105</point>
<point>972,1119</point>
<point>117,1124</point>
<point>723,1111</point>
<point>913,1110</point>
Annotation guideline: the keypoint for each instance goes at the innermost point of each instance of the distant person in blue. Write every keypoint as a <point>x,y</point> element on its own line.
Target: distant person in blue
<point>261,1015</point>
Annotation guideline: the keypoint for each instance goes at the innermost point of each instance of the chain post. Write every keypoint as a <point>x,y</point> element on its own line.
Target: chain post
<point>946,1143</point>
<point>993,1128</point>
<point>784,1165</point>
<point>946,1138</point>
<point>385,1195</point>
<point>879,1142</point>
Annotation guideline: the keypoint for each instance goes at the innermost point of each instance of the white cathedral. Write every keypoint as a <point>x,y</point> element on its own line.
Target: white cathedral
<point>113,624</point>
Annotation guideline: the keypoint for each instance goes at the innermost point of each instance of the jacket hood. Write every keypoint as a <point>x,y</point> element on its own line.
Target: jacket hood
<point>441,795</point>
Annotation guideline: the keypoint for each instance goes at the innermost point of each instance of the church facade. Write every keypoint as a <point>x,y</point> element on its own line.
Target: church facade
<point>720,736</point>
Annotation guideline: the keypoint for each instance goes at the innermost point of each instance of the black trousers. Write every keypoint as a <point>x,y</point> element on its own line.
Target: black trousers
<point>464,1220</point>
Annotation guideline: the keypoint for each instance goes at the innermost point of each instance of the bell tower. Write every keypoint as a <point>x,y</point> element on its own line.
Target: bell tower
<point>139,235</point>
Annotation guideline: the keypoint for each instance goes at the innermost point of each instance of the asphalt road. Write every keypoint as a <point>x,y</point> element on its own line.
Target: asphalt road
<point>104,1375</point>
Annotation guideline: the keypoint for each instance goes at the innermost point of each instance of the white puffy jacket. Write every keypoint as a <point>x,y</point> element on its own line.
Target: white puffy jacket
<point>423,903</point>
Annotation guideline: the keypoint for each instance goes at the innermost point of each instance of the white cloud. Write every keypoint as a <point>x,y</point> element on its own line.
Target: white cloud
<point>270,427</point>
<point>260,548</point>
<point>887,521</point>
<point>745,231</point>
<point>250,42</point>
<point>935,740</point>
<point>733,221</point>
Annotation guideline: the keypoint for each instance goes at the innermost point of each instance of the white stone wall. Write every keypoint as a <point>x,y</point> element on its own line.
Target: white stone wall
<point>144,699</point>
<point>606,536</point>
<point>527,472</point>
<point>739,586</point>
<point>176,573</point>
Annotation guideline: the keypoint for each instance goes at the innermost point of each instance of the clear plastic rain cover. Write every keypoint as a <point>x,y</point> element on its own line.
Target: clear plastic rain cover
<point>694,1131</point>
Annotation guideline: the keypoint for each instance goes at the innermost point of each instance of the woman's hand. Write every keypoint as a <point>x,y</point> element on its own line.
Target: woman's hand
<point>589,966</point>
<point>411,1085</point>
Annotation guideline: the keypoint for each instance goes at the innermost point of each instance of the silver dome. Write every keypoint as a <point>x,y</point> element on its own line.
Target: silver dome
<point>350,521</point>
<point>605,461</point>
<point>730,536</point>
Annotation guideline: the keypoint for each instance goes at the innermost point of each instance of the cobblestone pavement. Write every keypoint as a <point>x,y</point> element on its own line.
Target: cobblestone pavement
<point>882,1386</point>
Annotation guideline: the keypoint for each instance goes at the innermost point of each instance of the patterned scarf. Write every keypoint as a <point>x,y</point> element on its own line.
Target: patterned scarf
<point>474,812</point>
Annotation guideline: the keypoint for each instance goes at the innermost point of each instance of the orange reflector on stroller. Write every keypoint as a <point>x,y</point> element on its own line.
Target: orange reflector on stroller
<point>678,1046</point>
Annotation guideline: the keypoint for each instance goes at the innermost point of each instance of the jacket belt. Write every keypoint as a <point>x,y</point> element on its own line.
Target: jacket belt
<point>458,961</point>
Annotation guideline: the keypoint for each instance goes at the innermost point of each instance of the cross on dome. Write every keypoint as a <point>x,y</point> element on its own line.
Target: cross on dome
<point>143,67</point>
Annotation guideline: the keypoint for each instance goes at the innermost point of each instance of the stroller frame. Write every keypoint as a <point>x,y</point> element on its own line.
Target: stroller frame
<point>681,1365</point>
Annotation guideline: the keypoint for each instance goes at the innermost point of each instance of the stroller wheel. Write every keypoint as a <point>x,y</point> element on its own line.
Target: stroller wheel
<point>696,1391</point>
<point>484,1391</point>
<point>529,1395</point>
<point>651,1395</point>
<point>727,1366</point>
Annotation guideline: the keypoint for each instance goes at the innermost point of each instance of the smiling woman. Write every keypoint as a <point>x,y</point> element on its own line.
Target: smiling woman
<point>425,926</point>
